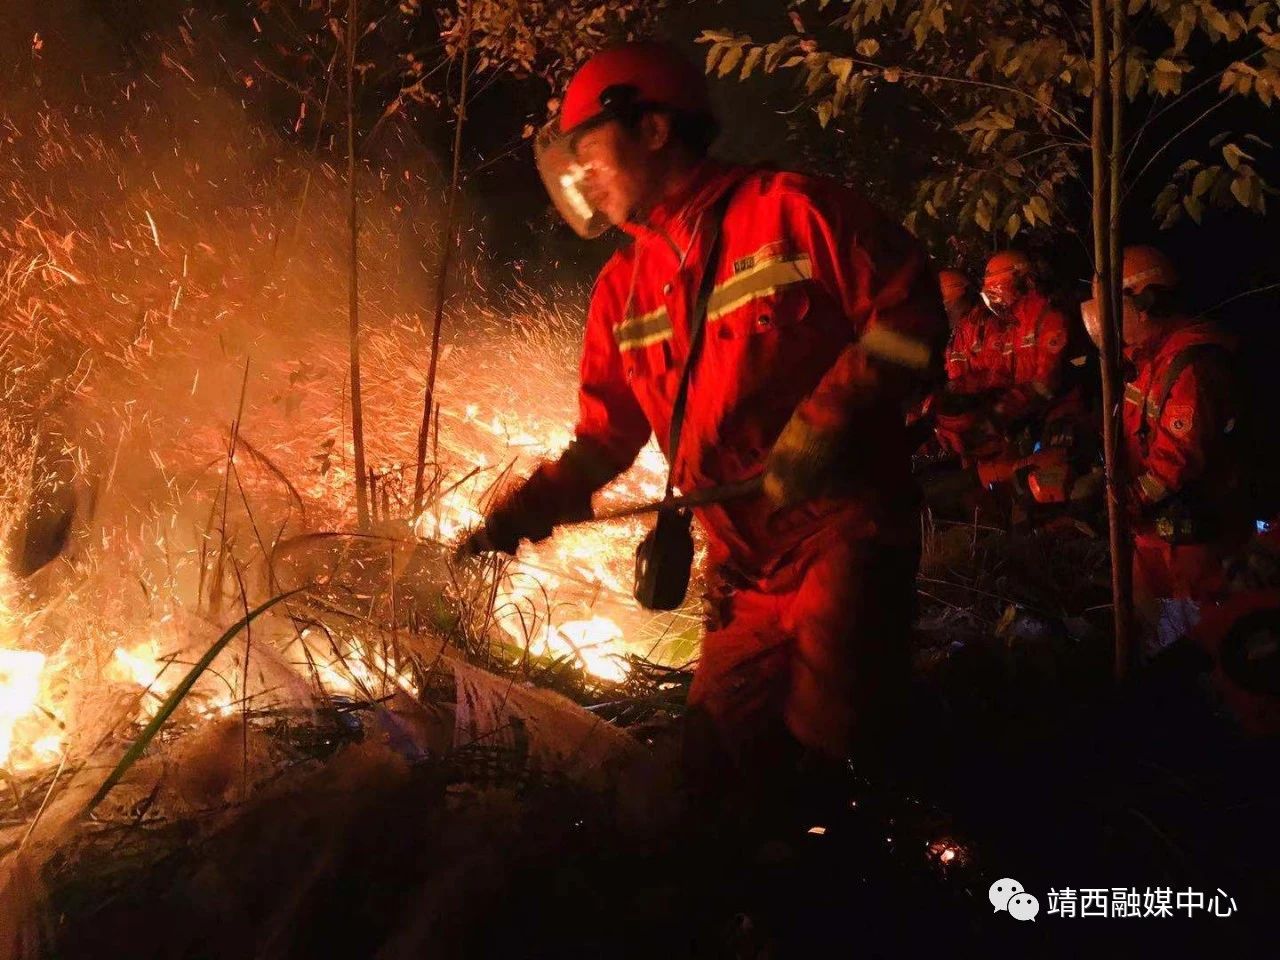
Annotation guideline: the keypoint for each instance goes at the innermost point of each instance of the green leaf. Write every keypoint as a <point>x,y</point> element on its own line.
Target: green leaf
<point>1135,76</point>
<point>1012,225</point>
<point>1166,77</point>
<point>776,51</point>
<point>731,59</point>
<point>714,53</point>
<point>840,68</point>
<point>1182,30</point>
<point>1204,180</point>
<point>1193,207</point>
<point>1215,20</point>
<point>982,215</point>
<point>1168,197</point>
<point>1233,155</point>
<point>1242,188</point>
<point>1263,89</point>
<point>816,80</point>
<point>172,702</point>
<point>1041,207</point>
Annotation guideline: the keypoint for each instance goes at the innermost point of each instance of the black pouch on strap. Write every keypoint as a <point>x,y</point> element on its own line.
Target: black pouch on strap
<point>664,557</point>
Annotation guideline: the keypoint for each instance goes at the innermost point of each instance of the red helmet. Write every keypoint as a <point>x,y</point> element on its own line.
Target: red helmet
<point>1145,273</point>
<point>617,84</point>
<point>1147,267</point>
<point>1007,278</point>
<point>1092,326</point>
<point>645,75</point>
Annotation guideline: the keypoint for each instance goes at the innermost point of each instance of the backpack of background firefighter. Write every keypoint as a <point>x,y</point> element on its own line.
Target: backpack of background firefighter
<point>1254,432</point>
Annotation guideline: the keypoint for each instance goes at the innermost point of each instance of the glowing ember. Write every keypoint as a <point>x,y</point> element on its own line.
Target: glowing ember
<point>140,665</point>
<point>361,672</point>
<point>947,852</point>
<point>594,644</point>
<point>151,392</point>
<point>19,690</point>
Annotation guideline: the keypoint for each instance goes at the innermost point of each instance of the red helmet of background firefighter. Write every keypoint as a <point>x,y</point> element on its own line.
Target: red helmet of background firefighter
<point>817,319</point>
<point>1008,391</point>
<point>957,295</point>
<point>1180,411</point>
<point>1008,278</point>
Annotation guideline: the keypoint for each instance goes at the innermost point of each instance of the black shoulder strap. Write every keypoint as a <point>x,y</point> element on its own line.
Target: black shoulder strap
<point>1179,363</point>
<point>697,321</point>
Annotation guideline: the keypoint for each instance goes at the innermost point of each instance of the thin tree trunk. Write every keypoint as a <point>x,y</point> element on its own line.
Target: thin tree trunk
<point>353,304</point>
<point>1101,162</point>
<point>1122,562</point>
<point>442,276</point>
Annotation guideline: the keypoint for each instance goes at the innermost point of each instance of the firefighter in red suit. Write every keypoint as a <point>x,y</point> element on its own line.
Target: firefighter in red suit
<point>823,324</point>
<point>1007,374</point>
<point>1179,415</point>
<point>1241,634</point>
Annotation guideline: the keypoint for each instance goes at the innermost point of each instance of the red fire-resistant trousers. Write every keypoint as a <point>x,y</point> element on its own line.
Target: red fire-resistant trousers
<point>816,650</point>
<point>1162,571</point>
<point>1169,585</point>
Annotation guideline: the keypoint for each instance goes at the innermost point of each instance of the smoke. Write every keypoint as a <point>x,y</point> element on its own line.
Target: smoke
<point>173,289</point>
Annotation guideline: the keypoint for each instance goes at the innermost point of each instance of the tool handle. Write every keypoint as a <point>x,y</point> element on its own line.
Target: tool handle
<point>698,498</point>
<point>478,542</point>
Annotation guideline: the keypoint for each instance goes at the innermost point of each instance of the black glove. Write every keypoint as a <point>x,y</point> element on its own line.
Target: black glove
<point>532,510</point>
<point>801,464</point>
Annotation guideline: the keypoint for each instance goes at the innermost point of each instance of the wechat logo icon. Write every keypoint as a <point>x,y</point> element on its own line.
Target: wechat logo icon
<point>1009,895</point>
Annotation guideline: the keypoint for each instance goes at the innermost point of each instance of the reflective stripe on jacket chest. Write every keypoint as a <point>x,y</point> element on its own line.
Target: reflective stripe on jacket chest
<point>753,278</point>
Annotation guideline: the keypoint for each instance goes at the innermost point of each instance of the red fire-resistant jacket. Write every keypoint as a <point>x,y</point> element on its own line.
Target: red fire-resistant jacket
<point>1019,366</point>
<point>1178,418</point>
<point>820,305</point>
<point>1023,358</point>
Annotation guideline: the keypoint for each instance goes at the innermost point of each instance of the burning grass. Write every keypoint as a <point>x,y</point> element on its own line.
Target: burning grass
<point>175,432</point>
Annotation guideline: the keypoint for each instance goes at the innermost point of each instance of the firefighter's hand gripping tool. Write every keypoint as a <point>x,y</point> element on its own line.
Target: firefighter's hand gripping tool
<point>479,542</point>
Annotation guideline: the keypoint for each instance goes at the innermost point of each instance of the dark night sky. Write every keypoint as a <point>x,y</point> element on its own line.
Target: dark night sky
<point>1231,252</point>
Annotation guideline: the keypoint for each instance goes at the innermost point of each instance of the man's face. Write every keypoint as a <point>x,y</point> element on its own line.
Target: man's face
<point>1001,294</point>
<point>619,170</point>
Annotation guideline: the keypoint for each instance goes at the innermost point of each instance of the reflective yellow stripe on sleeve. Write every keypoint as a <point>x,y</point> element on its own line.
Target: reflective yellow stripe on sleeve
<point>641,331</point>
<point>897,348</point>
<point>1152,489</point>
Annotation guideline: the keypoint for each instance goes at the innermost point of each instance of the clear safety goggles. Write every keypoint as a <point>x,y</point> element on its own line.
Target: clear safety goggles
<point>1089,316</point>
<point>565,180</point>
<point>1132,323</point>
<point>994,302</point>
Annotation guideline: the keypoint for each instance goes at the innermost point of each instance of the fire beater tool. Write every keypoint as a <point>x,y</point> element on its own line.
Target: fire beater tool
<point>479,541</point>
